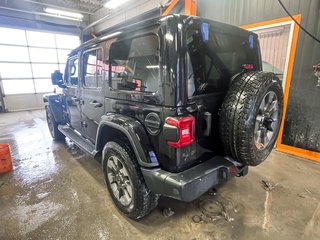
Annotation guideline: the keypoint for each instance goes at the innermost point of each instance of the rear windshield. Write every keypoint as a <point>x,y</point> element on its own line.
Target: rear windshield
<point>215,55</point>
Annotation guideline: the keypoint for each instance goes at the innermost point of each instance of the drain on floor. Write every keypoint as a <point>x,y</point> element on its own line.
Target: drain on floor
<point>214,209</point>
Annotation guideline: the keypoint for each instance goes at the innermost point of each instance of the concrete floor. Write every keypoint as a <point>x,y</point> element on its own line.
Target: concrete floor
<point>57,192</point>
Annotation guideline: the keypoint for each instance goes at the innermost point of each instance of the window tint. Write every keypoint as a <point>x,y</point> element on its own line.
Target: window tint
<point>135,64</point>
<point>72,72</point>
<point>213,62</point>
<point>93,69</point>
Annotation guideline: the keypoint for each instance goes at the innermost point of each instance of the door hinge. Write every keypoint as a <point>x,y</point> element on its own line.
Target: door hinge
<point>84,124</point>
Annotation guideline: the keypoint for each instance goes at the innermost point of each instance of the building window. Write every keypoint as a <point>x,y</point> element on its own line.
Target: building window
<point>28,58</point>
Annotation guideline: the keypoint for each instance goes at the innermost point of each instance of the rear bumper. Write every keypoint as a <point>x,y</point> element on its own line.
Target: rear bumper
<point>192,183</point>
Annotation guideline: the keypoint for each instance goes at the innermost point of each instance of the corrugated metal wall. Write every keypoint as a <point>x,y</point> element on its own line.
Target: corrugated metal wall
<point>274,45</point>
<point>302,121</point>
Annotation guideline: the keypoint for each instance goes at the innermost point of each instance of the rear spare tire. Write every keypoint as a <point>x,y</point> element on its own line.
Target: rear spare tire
<point>250,117</point>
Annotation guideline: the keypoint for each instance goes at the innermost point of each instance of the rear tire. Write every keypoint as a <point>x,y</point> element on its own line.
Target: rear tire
<point>53,126</point>
<point>125,182</point>
<point>250,117</point>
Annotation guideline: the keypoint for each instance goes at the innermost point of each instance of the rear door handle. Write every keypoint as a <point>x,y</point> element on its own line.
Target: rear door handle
<point>74,98</point>
<point>96,104</point>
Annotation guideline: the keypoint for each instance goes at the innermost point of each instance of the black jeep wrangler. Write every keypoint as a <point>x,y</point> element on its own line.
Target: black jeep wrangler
<point>173,106</point>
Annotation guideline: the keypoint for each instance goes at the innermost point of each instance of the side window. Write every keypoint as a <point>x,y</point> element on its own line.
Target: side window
<point>72,72</point>
<point>105,65</point>
<point>93,69</point>
<point>135,64</point>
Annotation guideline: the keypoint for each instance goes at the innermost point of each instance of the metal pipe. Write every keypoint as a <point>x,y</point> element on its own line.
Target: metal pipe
<point>99,21</point>
<point>17,10</point>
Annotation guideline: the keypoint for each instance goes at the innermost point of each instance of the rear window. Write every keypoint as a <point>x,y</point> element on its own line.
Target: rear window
<point>214,56</point>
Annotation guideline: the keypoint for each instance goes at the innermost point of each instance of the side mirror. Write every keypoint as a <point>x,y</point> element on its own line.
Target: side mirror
<point>56,78</point>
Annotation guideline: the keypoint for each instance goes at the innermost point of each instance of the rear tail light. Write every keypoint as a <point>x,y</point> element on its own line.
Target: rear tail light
<point>186,129</point>
<point>233,170</point>
<point>248,66</point>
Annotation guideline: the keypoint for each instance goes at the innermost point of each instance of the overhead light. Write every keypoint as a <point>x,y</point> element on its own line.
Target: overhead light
<point>152,66</point>
<point>60,16</point>
<point>114,3</point>
<point>64,14</point>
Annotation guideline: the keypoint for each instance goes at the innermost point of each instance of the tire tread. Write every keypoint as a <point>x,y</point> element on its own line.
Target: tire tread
<point>145,199</point>
<point>238,111</point>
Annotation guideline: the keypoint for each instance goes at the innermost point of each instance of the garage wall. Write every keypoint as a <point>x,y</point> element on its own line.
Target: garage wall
<point>274,45</point>
<point>23,102</point>
<point>302,125</point>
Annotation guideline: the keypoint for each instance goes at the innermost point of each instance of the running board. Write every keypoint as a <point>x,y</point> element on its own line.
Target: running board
<point>80,141</point>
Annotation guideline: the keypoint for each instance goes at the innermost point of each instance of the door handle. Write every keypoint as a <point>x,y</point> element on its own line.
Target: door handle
<point>96,104</point>
<point>76,99</point>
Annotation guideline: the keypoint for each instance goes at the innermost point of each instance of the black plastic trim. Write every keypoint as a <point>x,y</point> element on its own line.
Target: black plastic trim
<point>191,183</point>
<point>171,133</point>
<point>138,139</point>
<point>55,102</point>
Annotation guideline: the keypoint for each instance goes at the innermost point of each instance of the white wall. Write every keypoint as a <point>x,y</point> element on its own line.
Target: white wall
<point>21,102</point>
<point>124,12</point>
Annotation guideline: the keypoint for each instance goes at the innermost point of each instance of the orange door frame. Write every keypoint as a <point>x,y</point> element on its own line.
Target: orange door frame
<point>190,7</point>
<point>280,146</point>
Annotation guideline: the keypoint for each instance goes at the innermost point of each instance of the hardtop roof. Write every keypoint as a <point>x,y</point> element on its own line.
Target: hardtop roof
<point>128,25</point>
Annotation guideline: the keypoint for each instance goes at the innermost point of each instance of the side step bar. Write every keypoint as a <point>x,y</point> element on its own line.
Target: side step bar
<point>80,141</point>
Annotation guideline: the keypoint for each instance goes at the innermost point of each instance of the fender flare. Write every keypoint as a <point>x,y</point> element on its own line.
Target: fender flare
<point>54,101</point>
<point>134,132</point>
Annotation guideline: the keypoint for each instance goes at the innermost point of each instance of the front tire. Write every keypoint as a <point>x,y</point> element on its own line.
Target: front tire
<point>53,126</point>
<point>250,117</point>
<point>125,182</point>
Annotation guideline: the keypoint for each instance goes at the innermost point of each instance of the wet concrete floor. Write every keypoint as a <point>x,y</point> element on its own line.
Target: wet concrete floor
<point>55,191</point>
